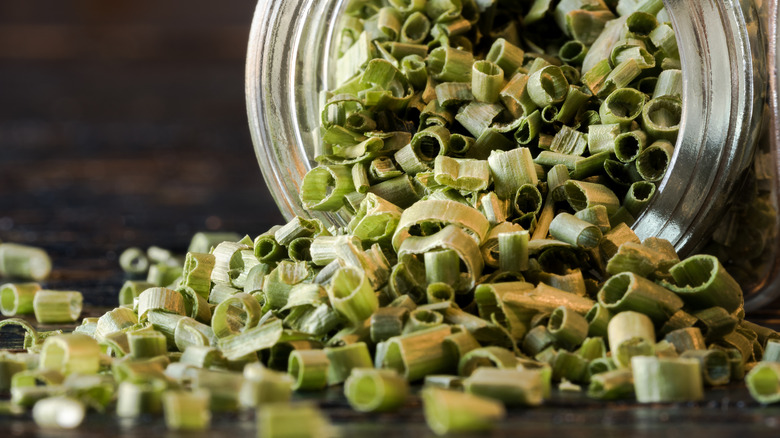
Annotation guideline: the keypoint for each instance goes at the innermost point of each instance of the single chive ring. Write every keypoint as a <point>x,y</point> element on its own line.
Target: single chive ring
<point>167,300</point>
<point>570,229</point>
<point>714,364</point>
<point>131,289</point>
<point>17,299</point>
<point>629,291</point>
<point>661,118</point>
<point>569,328</point>
<point>134,261</point>
<point>573,52</point>
<point>506,55</point>
<point>52,307</point>
<point>487,80</point>
<point>309,369</point>
<point>658,380</point>
<point>324,187</point>
<point>236,314</point>
<point>629,145</point>
<point>652,163</point>
<point>71,353</point>
<point>763,381</point>
<point>702,282</point>
<point>548,86</point>
<point>430,143</point>
<point>638,196</point>
<point>375,390</point>
<point>622,106</point>
<point>351,294</point>
<point>24,262</point>
<point>449,411</point>
<point>448,64</point>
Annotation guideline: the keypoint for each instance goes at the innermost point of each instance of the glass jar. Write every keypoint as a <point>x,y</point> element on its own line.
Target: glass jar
<point>728,53</point>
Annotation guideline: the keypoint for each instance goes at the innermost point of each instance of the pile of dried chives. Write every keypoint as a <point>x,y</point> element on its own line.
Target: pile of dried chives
<point>492,157</point>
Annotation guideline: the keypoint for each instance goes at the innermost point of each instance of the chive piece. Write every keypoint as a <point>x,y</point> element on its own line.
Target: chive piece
<point>513,387</point>
<point>701,281</point>
<point>569,366</point>
<point>372,390</point>
<point>497,357</point>
<point>58,412</point>
<point>630,333</point>
<point>343,359</point>
<point>132,289</point>
<point>567,327</point>
<point>516,99</point>
<point>461,173</point>
<point>686,339</point>
<point>448,64</point>
<point>17,299</point>
<point>628,291</point>
<point>714,365</point>
<point>236,314</point>
<point>351,294</point>
<point>598,320</point>
<point>449,411</point>
<point>146,343</point>
<point>547,86</point>
<point>24,262</point>
<point>570,229</point>
<point>262,386</point>
<point>136,398</point>
<point>715,322</point>
<point>134,261</point>
<point>666,379</point>
<point>418,354</point>
<point>280,420</point>
<point>309,369</point>
<point>186,410</point>
<point>510,170</point>
<point>323,188</point>
<point>772,351</point>
<point>622,106</point>
<point>582,195</point>
<point>763,382</point>
<point>612,385</point>
<point>71,353</point>
<point>487,80</point>
<point>514,247</point>
<point>661,118</point>
<point>51,307</point>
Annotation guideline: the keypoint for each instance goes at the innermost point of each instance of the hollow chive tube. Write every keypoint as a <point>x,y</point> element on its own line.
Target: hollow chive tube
<point>629,291</point>
<point>17,298</point>
<point>622,106</point>
<point>236,314</point>
<point>420,353</point>
<point>323,188</point>
<point>714,365</point>
<point>513,251</point>
<point>763,382</point>
<point>132,289</point>
<point>582,195</point>
<point>506,55</point>
<point>515,96</point>
<point>136,398</point>
<point>547,86</point>
<point>70,353</point>
<point>448,411</point>
<point>598,320</point>
<point>51,307</point>
<point>351,294</point>
<point>375,390</point>
<point>629,145</point>
<point>513,387</point>
<point>630,333</point>
<point>569,328</point>
<point>638,196</point>
<point>134,261</point>
<point>487,79</point>
<point>415,28</point>
<point>439,293</point>
<point>652,163</point>
<point>702,282</point>
<point>309,369</point>
<point>145,343</point>
<point>343,359</point>
<point>661,118</point>
<point>658,380</point>
<point>448,64</point>
<point>496,357</point>
<point>573,52</point>
<point>568,228</point>
<point>422,319</point>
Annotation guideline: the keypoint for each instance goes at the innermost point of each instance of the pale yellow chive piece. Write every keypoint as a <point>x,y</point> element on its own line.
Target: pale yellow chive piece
<point>24,262</point>
<point>283,420</point>
<point>167,300</point>
<point>114,321</point>
<point>630,334</point>
<point>53,307</point>
<point>136,398</point>
<point>451,411</point>
<point>71,353</point>
<point>185,410</point>
<point>58,413</point>
<point>666,379</point>
<point>17,299</point>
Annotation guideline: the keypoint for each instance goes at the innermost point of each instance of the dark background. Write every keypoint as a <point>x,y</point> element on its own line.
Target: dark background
<point>123,123</point>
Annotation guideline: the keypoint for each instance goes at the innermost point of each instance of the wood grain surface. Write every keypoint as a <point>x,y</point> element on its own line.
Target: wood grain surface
<point>123,124</point>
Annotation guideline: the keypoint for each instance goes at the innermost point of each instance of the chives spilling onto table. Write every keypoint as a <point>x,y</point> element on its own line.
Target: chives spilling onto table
<point>490,158</point>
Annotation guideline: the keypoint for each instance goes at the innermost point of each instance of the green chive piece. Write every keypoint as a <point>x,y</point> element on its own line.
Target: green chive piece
<point>714,365</point>
<point>496,357</point>
<point>548,86</point>
<point>71,353</point>
<point>661,118</point>
<point>612,385</point>
<point>513,387</point>
<point>373,390</point>
<point>134,261</point>
<point>17,298</point>
<point>461,173</point>
<point>309,369</point>
<point>351,294</point>
<point>449,411</point>
<point>568,228</point>
<point>58,412</point>
<point>52,307</point>
<point>132,289</point>
<point>659,380</point>
<point>686,339</point>
<point>567,327</point>
<point>763,382</point>
<point>136,398</point>
<point>420,353</point>
<point>622,106</point>
<point>628,291</point>
<point>146,343</point>
<point>701,281</point>
<point>343,359</point>
<point>186,410</point>
<point>280,420</point>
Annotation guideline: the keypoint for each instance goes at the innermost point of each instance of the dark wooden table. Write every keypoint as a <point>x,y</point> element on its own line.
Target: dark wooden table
<point>123,124</point>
